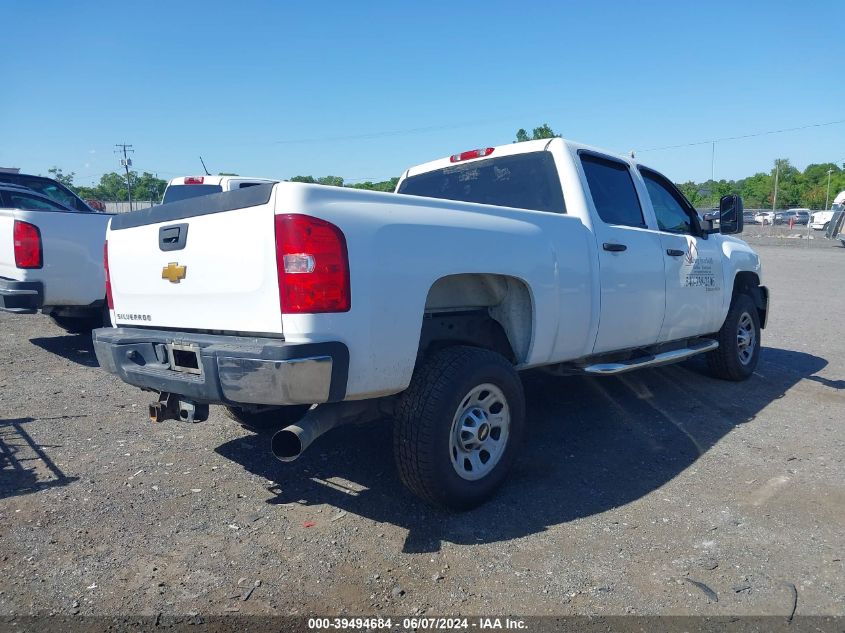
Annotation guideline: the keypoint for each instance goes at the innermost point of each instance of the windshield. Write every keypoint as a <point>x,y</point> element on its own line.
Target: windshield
<point>524,181</point>
<point>183,192</point>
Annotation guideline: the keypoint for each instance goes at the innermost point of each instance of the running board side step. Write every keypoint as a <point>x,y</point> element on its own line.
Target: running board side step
<point>652,360</point>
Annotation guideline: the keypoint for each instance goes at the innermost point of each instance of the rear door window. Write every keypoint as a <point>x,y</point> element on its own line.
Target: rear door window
<point>523,181</point>
<point>32,203</point>
<point>612,190</point>
<point>184,192</point>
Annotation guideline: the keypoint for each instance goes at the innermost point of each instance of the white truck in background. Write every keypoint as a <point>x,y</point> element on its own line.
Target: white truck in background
<point>51,259</point>
<point>821,219</point>
<point>185,187</point>
<point>835,227</point>
<point>313,306</point>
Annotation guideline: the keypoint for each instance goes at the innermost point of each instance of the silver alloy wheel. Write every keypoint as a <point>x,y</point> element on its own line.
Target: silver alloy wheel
<point>746,338</point>
<point>479,432</point>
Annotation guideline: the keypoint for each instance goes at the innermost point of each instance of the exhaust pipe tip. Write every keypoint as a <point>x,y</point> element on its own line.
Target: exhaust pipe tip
<point>290,442</point>
<point>287,444</point>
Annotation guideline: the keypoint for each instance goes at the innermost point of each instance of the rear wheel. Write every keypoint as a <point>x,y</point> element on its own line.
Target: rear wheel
<point>739,342</point>
<point>76,325</point>
<point>459,426</point>
<point>267,419</point>
<point>83,321</point>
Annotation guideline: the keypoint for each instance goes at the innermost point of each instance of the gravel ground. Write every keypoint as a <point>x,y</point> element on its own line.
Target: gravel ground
<point>661,492</point>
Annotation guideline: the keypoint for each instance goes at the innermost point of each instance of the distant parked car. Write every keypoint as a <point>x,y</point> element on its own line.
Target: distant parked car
<point>783,217</point>
<point>802,217</point>
<point>749,217</point>
<point>765,217</point>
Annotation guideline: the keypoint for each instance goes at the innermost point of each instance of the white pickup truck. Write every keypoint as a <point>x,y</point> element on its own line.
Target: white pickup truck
<point>820,220</point>
<point>424,304</point>
<point>51,258</point>
<point>185,187</point>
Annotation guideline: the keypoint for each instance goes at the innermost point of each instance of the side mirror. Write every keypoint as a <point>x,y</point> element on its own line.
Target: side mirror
<point>730,215</point>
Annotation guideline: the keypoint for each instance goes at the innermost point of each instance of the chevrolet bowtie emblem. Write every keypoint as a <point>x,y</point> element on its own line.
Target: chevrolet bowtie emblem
<point>173,272</point>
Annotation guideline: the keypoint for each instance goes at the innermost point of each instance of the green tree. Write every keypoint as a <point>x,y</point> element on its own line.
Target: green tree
<point>384,185</point>
<point>544,131</point>
<point>541,132</point>
<point>147,187</point>
<point>333,181</point>
<point>56,173</point>
<point>693,193</point>
<point>112,187</point>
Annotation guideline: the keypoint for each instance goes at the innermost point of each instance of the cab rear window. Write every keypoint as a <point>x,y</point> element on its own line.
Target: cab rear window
<point>183,192</point>
<point>523,181</point>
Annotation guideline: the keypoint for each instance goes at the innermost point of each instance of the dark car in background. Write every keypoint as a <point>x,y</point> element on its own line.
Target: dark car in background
<point>53,189</point>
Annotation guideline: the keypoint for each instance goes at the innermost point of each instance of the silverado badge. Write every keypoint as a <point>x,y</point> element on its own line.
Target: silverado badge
<point>173,272</point>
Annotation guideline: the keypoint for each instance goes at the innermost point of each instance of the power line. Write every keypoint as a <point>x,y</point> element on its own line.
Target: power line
<point>736,138</point>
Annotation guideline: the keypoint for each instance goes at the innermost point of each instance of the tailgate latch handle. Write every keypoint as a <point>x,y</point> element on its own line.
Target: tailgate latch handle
<point>172,237</point>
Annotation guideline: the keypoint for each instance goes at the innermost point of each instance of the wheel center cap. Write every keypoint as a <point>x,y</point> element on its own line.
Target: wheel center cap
<point>483,431</point>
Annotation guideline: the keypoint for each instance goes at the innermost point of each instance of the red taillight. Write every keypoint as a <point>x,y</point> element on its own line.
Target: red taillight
<point>194,180</point>
<point>27,241</point>
<point>313,265</point>
<point>473,153</point>
<point>109,299</point>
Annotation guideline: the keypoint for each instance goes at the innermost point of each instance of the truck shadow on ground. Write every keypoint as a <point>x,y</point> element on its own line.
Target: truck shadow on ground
<point>78,348</point>
<point>593,444</point>
<point>25,466</point>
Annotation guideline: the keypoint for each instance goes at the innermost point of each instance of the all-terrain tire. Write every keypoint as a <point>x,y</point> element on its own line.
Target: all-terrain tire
<point>424,431</point>
<point>733,360</point>
<point>268,419</point>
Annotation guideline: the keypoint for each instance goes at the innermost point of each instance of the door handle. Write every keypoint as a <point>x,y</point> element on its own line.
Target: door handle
<point>614,248</point>
<point>173,237</point>
<point>674,252</point>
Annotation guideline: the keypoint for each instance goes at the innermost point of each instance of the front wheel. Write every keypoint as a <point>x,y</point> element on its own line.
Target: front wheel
<point>739,342</point>
<point>459,426</point>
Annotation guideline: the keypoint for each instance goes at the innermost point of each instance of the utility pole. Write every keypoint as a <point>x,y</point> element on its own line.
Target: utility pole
<point>775,197</point>
<point>713,164</point>
<point>126,163</point>
<point>827,197</point>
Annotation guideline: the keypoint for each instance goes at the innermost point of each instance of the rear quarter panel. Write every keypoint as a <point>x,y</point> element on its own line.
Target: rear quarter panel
<point>400,245</point>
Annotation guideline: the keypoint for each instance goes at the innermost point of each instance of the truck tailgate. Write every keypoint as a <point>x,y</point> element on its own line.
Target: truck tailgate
<point>208,263</point>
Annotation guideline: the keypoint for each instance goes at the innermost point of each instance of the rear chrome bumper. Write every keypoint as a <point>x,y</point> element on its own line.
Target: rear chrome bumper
<point>24,297</point>
<point>225,369</point>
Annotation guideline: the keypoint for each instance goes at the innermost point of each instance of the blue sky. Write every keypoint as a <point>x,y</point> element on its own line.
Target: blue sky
<point>364,90</point>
